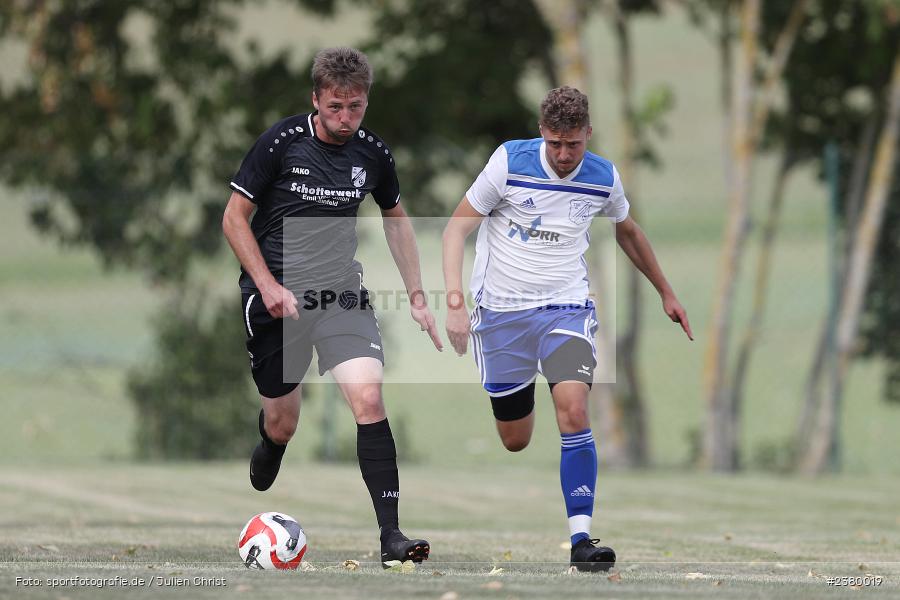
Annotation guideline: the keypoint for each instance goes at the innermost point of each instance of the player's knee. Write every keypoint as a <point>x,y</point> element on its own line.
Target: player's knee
<point>516,443</point>
<point>281,429</point>
<point>513,413</point>
<point>368,404</point>
<point>573,416</point>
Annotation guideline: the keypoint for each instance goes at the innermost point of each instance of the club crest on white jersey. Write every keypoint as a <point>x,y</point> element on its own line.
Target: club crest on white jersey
<point>579,210</point>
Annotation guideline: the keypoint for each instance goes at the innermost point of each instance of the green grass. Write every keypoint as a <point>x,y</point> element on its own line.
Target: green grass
<point>749,536</point>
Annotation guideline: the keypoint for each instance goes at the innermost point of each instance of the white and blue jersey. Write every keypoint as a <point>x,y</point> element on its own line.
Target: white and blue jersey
<point>529,281</point>
<point>529,250</point>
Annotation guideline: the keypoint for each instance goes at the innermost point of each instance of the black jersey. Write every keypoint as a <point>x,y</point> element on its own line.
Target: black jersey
<point>289,172</point>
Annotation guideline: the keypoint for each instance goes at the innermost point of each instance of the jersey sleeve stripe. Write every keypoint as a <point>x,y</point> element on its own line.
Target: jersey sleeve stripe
<point>241,190</point>
<point>557,188</point>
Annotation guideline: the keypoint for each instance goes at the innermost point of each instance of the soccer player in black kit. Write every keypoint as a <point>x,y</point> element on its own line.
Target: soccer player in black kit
<point>301,285</point>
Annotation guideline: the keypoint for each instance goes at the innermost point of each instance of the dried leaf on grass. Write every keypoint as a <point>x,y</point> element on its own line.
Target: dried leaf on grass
<point>496,571</point>
<point>615,577</point>
<point>493,585</point>
<point>350,565</point>
<point>696,576</point>
<point>396,566</point>
<point>814,574</point>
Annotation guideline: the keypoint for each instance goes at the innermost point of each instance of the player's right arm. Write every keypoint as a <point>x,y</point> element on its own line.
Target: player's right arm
<point>484,194</point>
<point>464,221</point>
<point>279,301</point>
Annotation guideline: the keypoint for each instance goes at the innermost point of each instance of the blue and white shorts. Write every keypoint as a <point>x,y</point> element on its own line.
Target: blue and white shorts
<point>509,346</point>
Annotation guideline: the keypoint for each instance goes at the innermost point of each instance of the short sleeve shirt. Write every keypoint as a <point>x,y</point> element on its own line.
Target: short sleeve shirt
<point>304,190</point>
<point>529,251</point>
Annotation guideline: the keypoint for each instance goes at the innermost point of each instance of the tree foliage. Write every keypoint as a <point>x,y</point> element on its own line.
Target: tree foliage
<point>131,139</point>
<point>194,399</point>
<point>448,87</point>
<point>835,94</point>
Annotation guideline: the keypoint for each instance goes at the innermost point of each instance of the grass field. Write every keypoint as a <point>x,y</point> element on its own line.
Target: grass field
<point>676,534</point>
<point>71,503</point>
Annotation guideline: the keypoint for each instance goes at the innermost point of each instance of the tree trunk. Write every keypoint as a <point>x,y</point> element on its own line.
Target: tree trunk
<point>777,61</point>
<point>823,356</point>
<point>720,440</point>
<point>749,116</point>
<point>726,80</point>
<point>566,20</point>
<point>815,456</point>
<point>761,286</point>
<point>628,393</point>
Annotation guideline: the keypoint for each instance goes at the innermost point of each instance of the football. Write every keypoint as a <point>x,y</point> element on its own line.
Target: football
<point>272,540</point>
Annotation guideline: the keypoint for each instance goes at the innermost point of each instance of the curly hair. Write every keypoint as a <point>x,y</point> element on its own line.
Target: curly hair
<point>341,68</point>
<point>565,108</point>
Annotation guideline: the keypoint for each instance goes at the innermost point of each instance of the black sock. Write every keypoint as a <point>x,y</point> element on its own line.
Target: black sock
<point>378,464</point>
<point>268,444</point>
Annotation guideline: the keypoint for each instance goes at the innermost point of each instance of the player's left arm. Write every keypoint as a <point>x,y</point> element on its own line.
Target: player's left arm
<point>637,247</point>
<point>401,240</point>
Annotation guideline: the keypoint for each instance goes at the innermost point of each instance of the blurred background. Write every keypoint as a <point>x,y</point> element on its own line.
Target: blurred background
<point>757,142</point>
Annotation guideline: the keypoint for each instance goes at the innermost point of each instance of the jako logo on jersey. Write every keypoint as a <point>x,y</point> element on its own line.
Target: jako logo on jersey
<point>582,491</point>
<point>358,176</point>
<point>299,171</point>
<point>526,233</point>
<point>390,494</point>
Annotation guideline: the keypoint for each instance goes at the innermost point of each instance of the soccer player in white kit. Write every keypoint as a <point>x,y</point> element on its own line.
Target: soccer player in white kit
<point>530,288</point>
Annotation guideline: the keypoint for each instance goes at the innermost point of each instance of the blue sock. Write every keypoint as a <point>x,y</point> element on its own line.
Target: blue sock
<point>578,476</point>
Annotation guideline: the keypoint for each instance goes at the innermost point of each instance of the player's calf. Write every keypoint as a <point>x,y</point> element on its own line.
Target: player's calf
<point>266,459</point>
